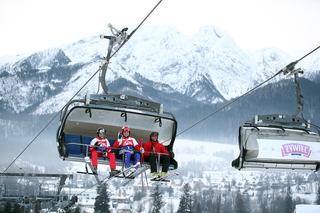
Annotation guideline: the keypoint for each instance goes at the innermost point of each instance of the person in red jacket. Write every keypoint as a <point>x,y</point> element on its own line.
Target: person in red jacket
<point>153,149</point>
<point>128,146</point>
<point>100,146</point>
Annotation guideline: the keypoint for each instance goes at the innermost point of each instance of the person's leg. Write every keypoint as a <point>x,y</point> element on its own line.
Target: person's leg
<point>112,159</point>
<point>165,161</point>
<point>136,160</point>
<point>153,163</point>
<point>94,158</point>
<point>127,156</point>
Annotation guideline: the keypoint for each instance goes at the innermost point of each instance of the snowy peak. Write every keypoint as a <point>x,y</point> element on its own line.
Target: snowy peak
<point>47,59</point>
<point>32,79</point>
<point>207,68</point>
<point>37,62</point>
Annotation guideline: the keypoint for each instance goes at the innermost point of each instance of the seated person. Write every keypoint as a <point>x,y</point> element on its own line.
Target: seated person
<point>127,147</point>
<point>100,146</point>
<point>152,150</point>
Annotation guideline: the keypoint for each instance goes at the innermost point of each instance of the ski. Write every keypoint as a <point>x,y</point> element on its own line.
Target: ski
<point>165,178</point>
<point>87,173</point>
<point>119,174</point>
<point>160,179</point>
<point>135,174</point>
<point>125,173</point>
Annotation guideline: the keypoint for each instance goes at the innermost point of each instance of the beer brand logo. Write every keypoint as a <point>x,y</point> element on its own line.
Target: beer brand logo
<point>295,149</point>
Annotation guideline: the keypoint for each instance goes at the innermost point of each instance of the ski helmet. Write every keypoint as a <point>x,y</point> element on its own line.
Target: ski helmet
<point>125,129</point>
<point>101,130</point>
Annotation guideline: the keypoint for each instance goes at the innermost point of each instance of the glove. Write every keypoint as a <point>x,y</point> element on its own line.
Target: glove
<point>108,149</point>
<point>171,154</point>
<point>141,150</point>
<point>119,135</point>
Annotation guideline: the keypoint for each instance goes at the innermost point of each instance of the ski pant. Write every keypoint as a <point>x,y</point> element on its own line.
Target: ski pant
<point>164,161</point>
<point>127,158</point>
<point>95,155</point>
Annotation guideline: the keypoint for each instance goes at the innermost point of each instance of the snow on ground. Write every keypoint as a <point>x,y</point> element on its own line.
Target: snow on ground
<point>307,209</point>
<point>205,154</point>
<point>204,151</point>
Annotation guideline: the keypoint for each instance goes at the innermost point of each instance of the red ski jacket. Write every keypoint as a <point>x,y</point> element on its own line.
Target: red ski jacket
<point>154,146</point>
<point>103,143</point>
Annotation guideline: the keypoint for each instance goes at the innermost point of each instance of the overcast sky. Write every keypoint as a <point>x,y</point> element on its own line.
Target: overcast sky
<point>31,25</point>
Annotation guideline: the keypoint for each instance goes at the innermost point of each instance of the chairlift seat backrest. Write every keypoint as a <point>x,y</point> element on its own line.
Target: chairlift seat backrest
<point>80,123</point>
<point>277,146</point>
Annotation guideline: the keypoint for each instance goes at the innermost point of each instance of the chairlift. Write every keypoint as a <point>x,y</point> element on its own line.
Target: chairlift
<point>81,118</point>
<point>279,141</point>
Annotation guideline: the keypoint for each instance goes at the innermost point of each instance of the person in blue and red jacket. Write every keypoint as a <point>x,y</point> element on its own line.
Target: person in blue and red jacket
<point>153,149</point>
<point>100,147</point>
<point>128,146</point>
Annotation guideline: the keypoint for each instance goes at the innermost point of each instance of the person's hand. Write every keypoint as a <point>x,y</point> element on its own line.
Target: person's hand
<point>171,154</point>
<point>119,135</point>
<point>142,150</point>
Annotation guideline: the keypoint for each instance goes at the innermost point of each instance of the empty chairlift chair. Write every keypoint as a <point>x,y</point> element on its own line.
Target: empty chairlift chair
<point>279,142</point>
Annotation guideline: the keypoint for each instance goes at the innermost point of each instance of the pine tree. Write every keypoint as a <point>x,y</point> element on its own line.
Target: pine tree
<point>37,206</point>
<point>170,191</point>
<point>77,210</point>
<point>185,204</point>
<point>288,200</point>
<point>157,200</point>
<point>227,204</point>
<point>16,208</point>
<point>7,207</point>
<point>102,200</point>
<point>262,201</point>
<point>196,204</point>
<point>138,195</point>
<point>318,195</point>
<point>218,203</point>
<point>239,206</point>
<point>208,201</point>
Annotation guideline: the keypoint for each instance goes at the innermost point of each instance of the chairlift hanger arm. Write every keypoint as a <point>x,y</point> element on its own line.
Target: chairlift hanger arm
<point>299,95</point>
<point>64,110</point>
<point>118,37</point>
<point>122,38</point>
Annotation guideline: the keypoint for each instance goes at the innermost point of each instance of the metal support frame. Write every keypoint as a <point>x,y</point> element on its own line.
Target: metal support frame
<point>118,37</point>
<point>94,171</point>
<point>62,177</point>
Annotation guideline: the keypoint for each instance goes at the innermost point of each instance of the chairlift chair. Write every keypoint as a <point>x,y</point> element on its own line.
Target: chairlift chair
<point>80,122</point>
<point>280,141</point>
<point>81,118</point>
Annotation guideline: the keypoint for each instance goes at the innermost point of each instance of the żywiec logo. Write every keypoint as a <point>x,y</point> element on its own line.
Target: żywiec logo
<point>295,149</point>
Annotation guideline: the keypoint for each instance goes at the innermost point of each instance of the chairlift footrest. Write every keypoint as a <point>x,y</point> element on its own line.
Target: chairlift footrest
<point>87,173</point>
<point>160,179</point>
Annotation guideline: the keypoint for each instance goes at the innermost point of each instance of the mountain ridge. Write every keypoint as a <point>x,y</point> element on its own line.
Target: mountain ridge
<point>188,75</point>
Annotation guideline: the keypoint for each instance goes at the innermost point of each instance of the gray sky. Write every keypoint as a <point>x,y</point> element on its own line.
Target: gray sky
<point>31,25</point>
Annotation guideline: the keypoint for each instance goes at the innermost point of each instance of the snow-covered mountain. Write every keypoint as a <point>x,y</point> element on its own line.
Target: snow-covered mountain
<point>190,75</point>
<point>208,68</point>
